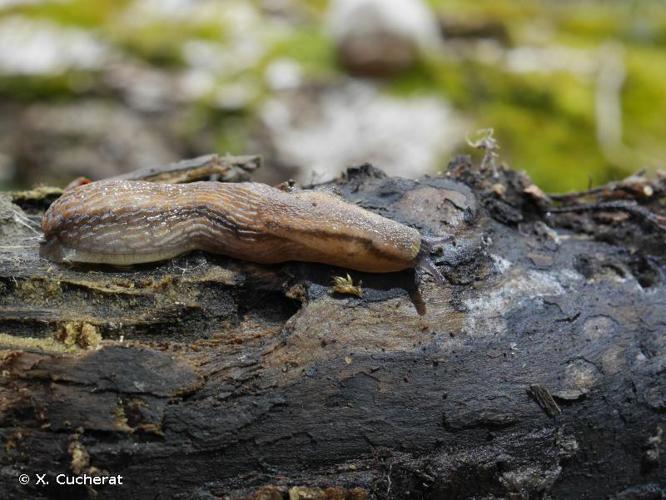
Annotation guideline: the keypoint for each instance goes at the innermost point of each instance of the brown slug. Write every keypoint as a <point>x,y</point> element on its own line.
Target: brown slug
<point>131,222</point>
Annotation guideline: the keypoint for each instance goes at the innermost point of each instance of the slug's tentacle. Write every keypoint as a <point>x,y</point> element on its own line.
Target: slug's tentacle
<point>129,222</point>
<point>425,262</point>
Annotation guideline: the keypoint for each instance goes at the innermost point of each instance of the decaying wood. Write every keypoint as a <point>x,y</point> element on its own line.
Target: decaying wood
<point>539,370</point>
<point>224,168</point>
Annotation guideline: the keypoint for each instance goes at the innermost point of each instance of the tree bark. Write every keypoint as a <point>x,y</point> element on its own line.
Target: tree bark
<point>537,372</point>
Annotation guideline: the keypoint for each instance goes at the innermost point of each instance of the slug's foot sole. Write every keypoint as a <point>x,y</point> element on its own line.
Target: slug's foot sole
<point>53,250</point>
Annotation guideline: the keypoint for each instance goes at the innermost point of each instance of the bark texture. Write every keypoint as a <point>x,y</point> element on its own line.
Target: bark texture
<point>537,372</point>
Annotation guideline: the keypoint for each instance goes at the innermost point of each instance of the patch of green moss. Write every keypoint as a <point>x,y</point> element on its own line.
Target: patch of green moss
<point>160,42</point>
<point>317,6</point>
<point>233,136</point>
<point>82,13</point>
<point>155,43</point>
<point>38,291</point>
<point>543,145</point>
<point>545,122</point>
<point>547,130</point>
<point>644,104</point>
<point>120,419</point>
<point>636,23</point>
<point>29,343</point>
<point>589,22</point>
<point>56,87</point>
<point>310,47</point>
<point>498,9</point>
<point>221,131</point>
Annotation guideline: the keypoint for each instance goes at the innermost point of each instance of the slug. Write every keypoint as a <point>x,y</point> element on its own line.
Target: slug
<point>123,222</point>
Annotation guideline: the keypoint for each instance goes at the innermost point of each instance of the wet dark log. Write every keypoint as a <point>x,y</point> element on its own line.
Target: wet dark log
<point>538,371</point>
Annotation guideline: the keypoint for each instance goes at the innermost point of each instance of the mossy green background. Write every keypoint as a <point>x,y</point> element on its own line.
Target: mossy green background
<point>544,122</point>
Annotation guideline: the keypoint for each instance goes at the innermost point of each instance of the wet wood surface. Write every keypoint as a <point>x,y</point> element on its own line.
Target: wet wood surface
<point>537,371</point>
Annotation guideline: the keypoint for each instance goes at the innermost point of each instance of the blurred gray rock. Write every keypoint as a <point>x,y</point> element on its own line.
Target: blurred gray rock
<point>323,129</point>
<point>56,143</point>
<point>381,37</point>
<point>39,47</point>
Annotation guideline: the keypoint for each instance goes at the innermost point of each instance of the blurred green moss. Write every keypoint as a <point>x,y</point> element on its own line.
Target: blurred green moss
<point>644,100</point>
<point>56,87</point>
<point>81,13</point>
<point>545,122</point>
<point>310,47</point>
<point>154,43</point>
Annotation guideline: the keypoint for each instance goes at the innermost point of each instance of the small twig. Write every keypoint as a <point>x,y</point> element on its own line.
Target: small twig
<point>630,207</point>
<point>636,186</point>
<point>490,147</point>
<point>544,399</point>
<point>228,168</point>
<point>578,194</point>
